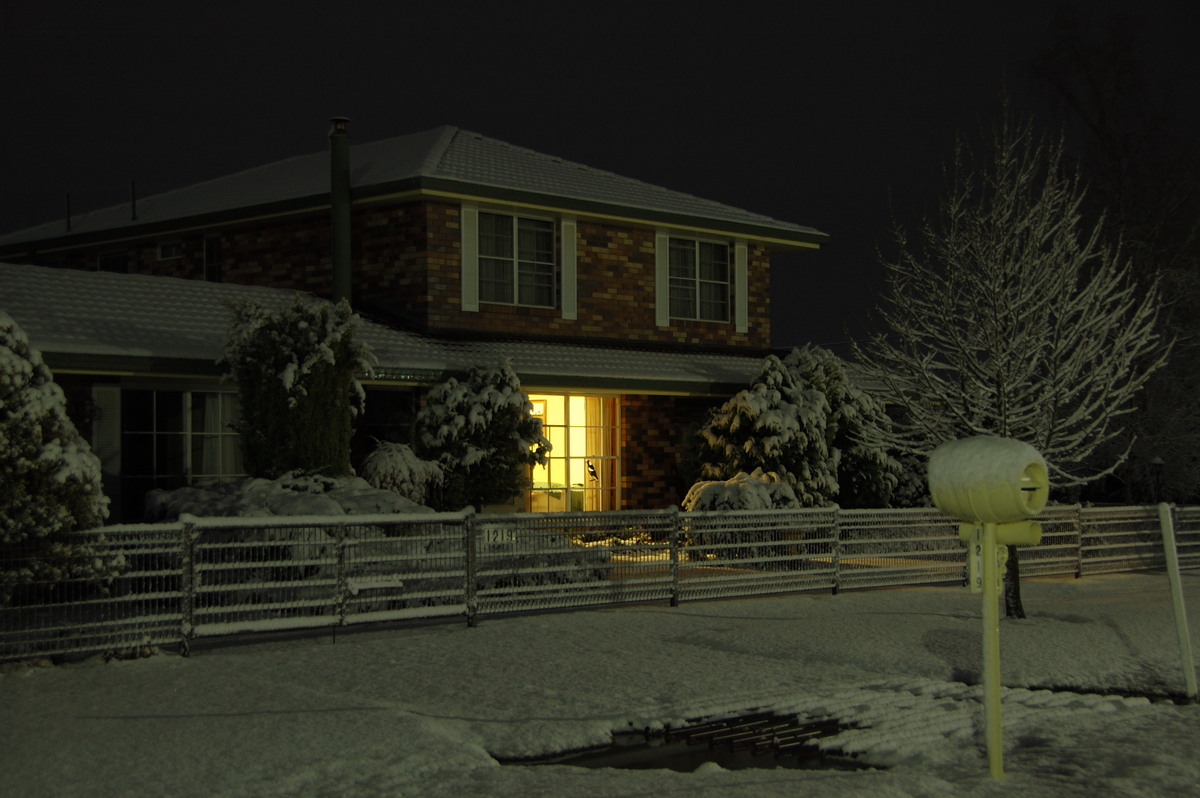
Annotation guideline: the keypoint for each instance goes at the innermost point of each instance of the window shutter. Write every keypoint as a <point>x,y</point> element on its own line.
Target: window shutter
<point>741,287</point>
<point>469,273</point>
<point>106,441</point>
<point>662,282</point>
<point>569,285</point>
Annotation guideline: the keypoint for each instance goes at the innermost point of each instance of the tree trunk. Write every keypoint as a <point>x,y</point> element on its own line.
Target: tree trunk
<point>1013,608</point>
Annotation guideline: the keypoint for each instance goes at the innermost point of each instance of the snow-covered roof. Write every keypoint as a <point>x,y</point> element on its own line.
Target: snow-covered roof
<point>143,324</point>
<point>445,158</point>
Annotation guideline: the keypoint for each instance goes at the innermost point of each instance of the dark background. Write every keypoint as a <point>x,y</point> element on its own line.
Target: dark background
<point>838,115</point>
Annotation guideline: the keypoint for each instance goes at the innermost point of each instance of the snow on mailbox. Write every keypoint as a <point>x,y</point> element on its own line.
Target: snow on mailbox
<point>986,479</point>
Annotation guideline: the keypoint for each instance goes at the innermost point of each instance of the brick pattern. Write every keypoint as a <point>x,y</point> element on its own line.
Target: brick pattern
<point>409,254</point>
<point>654,429</point>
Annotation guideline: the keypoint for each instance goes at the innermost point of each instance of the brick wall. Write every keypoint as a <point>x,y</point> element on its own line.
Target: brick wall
<point>409,254</point>
<point>654,432</point>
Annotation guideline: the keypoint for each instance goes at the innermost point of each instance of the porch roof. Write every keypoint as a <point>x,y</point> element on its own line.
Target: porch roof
<point>126,324</point>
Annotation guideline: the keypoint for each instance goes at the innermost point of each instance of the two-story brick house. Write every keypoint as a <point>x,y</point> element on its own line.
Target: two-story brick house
<point>627,309</point>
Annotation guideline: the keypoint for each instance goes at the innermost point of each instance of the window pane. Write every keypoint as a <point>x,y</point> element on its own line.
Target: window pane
<point>168,411</point>
<point>683,259</point>
<point>495,235</point>
<point>168,455</point>
<point>536,241</point>
<point>137,411</point>
<point>714,302</point>
<point>495,280</point>
<point>714,262</point>
<point>683,301</point>
<point>536,284</point>
<point>137,454</point>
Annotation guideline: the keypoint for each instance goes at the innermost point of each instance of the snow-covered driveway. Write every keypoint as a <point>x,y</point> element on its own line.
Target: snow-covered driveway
<point>421,710</point>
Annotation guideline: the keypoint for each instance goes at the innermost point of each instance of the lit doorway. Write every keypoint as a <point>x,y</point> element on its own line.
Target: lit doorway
<point>583,470</point>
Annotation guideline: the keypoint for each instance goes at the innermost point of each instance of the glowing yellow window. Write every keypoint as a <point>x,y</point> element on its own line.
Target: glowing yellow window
<point>583,472</point>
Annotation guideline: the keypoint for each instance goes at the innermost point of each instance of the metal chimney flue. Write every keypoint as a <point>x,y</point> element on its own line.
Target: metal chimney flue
<point>339,203</point>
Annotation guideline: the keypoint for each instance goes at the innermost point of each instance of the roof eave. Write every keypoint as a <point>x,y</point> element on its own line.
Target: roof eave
<point>776,237</point>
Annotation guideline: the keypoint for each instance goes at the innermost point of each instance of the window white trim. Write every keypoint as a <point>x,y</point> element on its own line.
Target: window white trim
<point>741,286</point>
<point>469,229</point>
<point>662,283</point>
<point>567,257</point>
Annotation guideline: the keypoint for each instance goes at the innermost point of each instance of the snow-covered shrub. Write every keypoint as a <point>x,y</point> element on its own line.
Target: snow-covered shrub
<point>482,432</point>
<point>754,491</point>
<point>296,369</point>
<point>396,467</point>
<point>775,426</point>
<point>50,481</point>
<point>866,475</point>
<point>293,493</point>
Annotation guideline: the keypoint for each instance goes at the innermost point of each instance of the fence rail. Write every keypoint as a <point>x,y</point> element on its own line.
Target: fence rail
<point>206,577</point>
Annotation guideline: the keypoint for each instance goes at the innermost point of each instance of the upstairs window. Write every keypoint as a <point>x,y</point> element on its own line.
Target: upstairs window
<point>516,260</point>
<point>699,280</point>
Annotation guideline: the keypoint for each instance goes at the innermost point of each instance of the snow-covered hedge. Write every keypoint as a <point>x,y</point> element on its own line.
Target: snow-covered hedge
<point>294,493</point>
<point>50,481</point>
<point>297,370</point>
<point>754,491</point>
<point>396,467</point>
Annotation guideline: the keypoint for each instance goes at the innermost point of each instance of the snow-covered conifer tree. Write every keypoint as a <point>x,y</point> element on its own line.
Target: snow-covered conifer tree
<point>50,479</point>
<point>297,370</point>
<point>1013,319</point>
<point>776,426</point>
<point>865,474</point>
<point>482,432</point>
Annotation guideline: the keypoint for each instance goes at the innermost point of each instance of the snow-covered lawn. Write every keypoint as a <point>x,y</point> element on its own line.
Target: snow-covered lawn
<point>420,711</point>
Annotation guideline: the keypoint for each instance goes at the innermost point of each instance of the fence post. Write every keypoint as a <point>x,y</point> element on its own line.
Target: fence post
<point>187,587</point>
<point>673,547</point>
<point>1078,515</point>
<point>471,580</point>
<point>343,584</point>
<point>1166,523</point>
<point>835,554</point>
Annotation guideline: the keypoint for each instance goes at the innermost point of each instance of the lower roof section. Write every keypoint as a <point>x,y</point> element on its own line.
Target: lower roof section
<point>134,325</point>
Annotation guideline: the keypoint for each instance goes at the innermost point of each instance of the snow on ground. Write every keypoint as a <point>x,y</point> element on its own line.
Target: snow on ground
<point>423,710</point>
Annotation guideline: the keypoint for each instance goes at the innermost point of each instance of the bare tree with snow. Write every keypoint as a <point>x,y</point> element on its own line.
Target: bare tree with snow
<point>1012,318</point>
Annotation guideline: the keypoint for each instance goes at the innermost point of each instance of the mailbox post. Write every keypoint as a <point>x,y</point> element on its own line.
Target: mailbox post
<point>993,486</point>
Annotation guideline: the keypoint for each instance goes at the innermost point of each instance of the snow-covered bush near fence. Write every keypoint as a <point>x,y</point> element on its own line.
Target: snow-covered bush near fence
<point>396,467</point>
<point>482,432</point>
<point>774,425</point>
<point>754,491</point>
<point>294,493</point>
<point>50,481</point>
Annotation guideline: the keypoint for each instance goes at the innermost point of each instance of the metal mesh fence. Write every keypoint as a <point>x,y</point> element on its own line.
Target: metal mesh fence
<point>1058,553</point>
<point>1119,539</point>
<point>123,588</point>
<point>116,590</point>
<point>542,561</point>
<point>886,548</point>
<point>755,553</point>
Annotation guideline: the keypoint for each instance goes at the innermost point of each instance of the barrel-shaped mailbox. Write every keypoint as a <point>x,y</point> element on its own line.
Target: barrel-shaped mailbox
<point>988,479</point>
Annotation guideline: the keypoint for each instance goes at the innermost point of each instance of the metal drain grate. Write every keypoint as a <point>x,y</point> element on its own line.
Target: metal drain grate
<point>760,732</point>
<point>753,740</point>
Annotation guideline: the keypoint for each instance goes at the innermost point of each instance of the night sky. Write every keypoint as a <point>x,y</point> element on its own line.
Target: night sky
<point>836,115</point>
